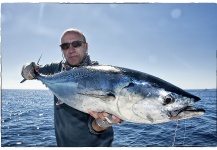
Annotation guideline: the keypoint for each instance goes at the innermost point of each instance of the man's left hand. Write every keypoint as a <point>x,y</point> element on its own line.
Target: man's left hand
<point>103,120</point>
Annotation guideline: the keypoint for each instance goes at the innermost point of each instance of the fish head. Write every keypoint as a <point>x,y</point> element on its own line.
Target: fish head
<point>177,105</point>
<point>163,102</point>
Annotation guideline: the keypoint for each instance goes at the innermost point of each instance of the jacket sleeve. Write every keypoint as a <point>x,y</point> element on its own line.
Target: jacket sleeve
<point>50,68</point>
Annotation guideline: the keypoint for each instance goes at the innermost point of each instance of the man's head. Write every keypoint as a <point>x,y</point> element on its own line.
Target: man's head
<point>76,51</point>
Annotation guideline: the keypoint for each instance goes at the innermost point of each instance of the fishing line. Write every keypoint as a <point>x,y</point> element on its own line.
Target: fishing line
<point>174,139</point>
<point>184,134</point>
<point>39,59</point>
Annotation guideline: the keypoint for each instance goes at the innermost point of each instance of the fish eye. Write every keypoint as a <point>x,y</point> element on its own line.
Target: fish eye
<point>168,100</point>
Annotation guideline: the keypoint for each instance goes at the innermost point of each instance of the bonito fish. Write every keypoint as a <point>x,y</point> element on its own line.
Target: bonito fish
<point>131,95</point>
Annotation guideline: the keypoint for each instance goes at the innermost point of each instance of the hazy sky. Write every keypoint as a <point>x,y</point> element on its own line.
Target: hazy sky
<point>175,42</point>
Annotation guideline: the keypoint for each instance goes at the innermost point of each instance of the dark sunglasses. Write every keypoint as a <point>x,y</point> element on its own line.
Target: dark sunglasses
<point>75,44</point>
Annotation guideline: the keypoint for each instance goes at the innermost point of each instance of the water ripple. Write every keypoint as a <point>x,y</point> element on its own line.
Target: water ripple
<point>27,121</point>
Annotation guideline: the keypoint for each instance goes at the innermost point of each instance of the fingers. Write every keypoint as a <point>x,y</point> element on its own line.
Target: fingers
<point>28,71</point>
<point>101,115</point>
<point>93,114</point>
<point>36,67</point>
<point>116,119</point>
<point>104,116</point>
<point>110,119</point>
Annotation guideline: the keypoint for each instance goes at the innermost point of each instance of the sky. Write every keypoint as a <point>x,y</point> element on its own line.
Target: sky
<point>175,42</point>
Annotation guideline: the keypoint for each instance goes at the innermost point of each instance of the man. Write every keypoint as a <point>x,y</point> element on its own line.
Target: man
<point>73,127</point>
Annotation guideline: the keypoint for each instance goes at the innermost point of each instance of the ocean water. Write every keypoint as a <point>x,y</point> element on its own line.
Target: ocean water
<point>27,121</point>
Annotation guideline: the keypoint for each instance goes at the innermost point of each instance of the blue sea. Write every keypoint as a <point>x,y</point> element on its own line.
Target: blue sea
<point>27,121</point>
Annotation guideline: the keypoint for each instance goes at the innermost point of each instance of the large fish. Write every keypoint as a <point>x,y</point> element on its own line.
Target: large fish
<point>128,94</point>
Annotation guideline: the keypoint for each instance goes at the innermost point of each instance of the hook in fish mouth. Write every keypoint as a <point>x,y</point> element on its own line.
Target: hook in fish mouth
<point>186,112</point>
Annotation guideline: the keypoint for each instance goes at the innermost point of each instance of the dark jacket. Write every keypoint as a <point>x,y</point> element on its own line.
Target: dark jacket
<point>73,127</point>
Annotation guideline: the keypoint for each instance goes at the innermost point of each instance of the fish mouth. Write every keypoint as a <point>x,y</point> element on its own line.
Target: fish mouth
<point>185,113</point>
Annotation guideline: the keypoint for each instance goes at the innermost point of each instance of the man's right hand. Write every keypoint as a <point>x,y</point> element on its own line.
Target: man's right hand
<point>28,71</point>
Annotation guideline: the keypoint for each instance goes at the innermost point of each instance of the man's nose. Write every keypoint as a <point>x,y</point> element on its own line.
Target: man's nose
<point>71,48</point>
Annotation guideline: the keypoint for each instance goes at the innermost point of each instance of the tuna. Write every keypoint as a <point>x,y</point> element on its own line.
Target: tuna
<point>130,95</point>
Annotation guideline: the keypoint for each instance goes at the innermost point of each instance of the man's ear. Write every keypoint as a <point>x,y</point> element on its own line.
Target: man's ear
<point>86,45</point>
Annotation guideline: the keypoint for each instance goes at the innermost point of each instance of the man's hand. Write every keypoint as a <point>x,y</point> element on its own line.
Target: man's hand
<point>28,71</point>
<point>103,120</point>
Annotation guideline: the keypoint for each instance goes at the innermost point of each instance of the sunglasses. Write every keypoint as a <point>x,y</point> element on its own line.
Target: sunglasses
<point>75,44</point>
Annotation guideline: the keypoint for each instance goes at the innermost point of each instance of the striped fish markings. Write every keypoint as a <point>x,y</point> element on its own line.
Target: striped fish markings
<point>131,95</point>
